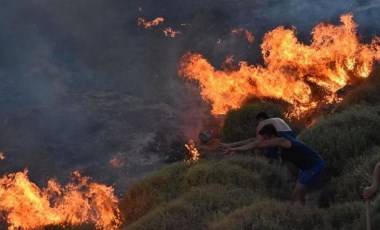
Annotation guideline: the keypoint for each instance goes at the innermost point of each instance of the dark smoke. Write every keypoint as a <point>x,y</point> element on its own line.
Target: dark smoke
<point>81,82</point>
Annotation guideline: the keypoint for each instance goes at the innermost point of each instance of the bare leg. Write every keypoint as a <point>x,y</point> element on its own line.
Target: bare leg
<point>370,191</point>
<point>299,192</point>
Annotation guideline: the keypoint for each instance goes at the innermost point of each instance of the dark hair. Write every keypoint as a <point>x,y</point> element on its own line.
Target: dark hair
<point>268,130</point>
<point>261,115</point>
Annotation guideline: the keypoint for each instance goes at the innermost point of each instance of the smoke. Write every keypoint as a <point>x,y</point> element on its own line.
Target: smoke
<point>82,83</point>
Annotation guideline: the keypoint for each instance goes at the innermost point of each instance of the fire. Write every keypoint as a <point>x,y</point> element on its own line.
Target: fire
<point>192,150</point>
<point>147,24</point>
<point>333,59</point>
<point>24,205</point>
<point>2,156</point>
<point>171,33</point>
<point>246,33</point>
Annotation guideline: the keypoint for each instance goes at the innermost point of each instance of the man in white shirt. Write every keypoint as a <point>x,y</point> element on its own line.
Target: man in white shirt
<point>262,119</point>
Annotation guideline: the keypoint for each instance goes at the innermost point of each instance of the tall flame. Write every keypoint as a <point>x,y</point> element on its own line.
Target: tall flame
<point>24,205</point>
<point>333,59</point>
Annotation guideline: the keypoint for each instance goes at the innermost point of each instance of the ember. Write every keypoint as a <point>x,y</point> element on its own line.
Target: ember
<point>169,32</point>
<point>148,24</point>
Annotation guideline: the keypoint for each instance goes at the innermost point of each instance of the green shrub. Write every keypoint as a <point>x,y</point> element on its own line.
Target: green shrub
<point>356,174</point>
<point>344,135</point>
<point>353,215</point>
<point>223,173</point>
<point>270,214</point>
<point>151,191</point>
<point>348,215</point>
<point>277,179</point>
<point>195,208</point>
<point>240,124</point>
<point>375,213</point>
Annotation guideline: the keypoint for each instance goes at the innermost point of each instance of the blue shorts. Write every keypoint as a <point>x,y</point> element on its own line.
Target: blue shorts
<point>311,177</point>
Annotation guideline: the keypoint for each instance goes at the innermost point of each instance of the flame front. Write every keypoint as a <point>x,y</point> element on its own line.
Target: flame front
<point>24,205</point>
<point>192,150</point>
<point>333,59</point>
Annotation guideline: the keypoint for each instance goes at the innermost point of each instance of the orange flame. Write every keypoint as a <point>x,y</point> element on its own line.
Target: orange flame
<point>24,205</point>
<point>333,59</point>
<point>148,24</point>
<point>192,150</point>
<point>171,33</point>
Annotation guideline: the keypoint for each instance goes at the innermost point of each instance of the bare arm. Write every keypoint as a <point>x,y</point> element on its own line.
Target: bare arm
<point>238,143</point>
<point>371,191</point>
<point>274,142</point>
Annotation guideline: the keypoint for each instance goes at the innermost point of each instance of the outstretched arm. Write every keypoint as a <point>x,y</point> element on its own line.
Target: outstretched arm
<point>274,142</point>
<point>237,143</point>
<point>371,191</point>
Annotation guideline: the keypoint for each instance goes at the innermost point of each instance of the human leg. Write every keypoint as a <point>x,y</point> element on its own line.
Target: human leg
<point>299,193</point>
<point>308,179</point>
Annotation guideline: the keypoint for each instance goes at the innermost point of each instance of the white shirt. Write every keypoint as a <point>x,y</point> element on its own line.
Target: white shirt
<point>278,123</point>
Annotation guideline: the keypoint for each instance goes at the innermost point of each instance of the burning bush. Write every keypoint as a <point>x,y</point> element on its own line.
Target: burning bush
<point>24,205</point>
<point>367,92</point>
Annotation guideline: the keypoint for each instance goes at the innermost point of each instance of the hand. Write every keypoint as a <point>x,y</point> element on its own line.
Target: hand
<point>369,192</point>
<point>228,150</point>
<point>222,146</point>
